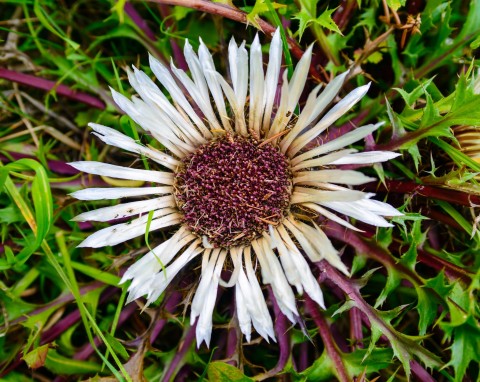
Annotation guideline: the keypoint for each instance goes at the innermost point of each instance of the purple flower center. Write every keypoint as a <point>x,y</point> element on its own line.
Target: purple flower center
<point>231,189</point>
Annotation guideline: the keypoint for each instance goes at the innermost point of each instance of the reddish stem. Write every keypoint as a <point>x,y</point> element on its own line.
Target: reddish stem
<point>177,360</point>
<point>329,343</point>
<point>356,333</point>
<point>451,196</point>
<point>42,83</point>
<point>342,15</point>
<point>139,21</point>
<point>373,251</point>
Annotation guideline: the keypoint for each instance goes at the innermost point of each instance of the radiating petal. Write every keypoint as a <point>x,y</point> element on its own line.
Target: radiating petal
<point>314,107</point>
<point>349,177</point>
<point>105,169</point>
<point>114,138</point>
<point>271,77</point>
<point>296,268</point>
<point>366,210</point>
<point>162,279</point>
<point>208,68</point>
<point>120,233</point>
<point>339,143</point>
<point>324,160</point>
<point>366,157</point>
<point>127,209</point>
<point>273,274</point>
<point>204,301</point>
<point>119,192</point>
<point>257,85</point>
<point>329,119</point>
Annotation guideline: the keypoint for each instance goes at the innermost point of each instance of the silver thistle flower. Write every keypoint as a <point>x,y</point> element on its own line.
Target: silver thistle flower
<point>238,185</point>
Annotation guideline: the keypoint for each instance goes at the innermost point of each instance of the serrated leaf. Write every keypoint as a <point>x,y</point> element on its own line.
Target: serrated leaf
<point>356,363</point>
<point>464,347</point>
<point>411,97</point>
<point>426,308</point>
<point>223,372</point>
<point>431,114</point>
<point>326,21</point>
<point>393,281</point>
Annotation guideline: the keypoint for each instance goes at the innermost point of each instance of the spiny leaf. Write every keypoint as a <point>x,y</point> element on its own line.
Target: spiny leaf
<point>308,15</point>
<point>326,21</point>
<point>411,97</point>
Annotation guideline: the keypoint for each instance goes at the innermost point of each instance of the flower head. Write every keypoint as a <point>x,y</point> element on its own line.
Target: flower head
<point>237,178</point>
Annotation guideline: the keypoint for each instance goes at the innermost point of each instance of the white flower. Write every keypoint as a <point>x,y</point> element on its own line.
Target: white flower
<point>240,185</point>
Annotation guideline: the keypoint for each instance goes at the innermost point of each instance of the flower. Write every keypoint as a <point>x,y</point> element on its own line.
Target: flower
<point>241,185</point>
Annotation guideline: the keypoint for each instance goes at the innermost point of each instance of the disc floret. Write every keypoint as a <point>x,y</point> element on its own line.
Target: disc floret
<point>231,189</point>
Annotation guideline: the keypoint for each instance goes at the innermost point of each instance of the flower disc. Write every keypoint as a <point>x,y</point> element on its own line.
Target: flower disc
<point>232,188</point>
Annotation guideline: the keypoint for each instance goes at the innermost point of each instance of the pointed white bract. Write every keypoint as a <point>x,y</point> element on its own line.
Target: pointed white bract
<point>257,103</point>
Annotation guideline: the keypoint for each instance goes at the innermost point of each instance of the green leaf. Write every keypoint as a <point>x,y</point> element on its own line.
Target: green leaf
<point>426,308</point>
<point>48,23</point>
<point>61,365</point>
<point>42,203</point>
<point>395,4</point>
<point>356,362</point>
<point>321,370</point>
<point>259,8</point>
<point>223,372</point>
<point>393,281</point>
<point>465,347</point>
<point>411,97</point>
<point>308,15</point>
<point>10,214</point>
<point>326,21</point>
<point>117,346</point>
<point>37,357</point>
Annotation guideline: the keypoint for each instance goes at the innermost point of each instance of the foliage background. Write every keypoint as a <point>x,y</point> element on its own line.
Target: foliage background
<point>411,309</point>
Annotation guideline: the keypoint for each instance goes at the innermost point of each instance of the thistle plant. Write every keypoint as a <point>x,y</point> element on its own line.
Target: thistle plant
<point>269,190</point>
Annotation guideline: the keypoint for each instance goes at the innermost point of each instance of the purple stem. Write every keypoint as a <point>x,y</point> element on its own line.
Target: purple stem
<point>41,83</point>
<point>139,21</point>
<point>281,330</point>
<point>330,345</point>
<point>356,333</point>
<point>170,305</point>
<point>420,372</point>
<point>176,362</point>
<point>283,338</point>
<point>302,361</point>
<point>373,251</point>
<point>231,347</point>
